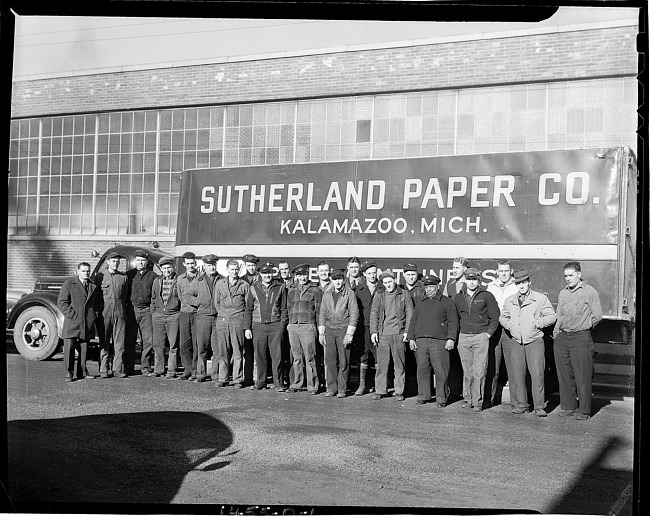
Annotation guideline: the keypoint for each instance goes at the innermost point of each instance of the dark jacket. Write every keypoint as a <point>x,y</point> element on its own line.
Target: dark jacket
<point>266,306</point>
<point>158,305</point>
<point>80,310</point>
<point>480,315</point>
<point>435,318</point>
<point>416,293</point>
<point>140,285</point>
<point>364,301</point>
<point>403,306</point>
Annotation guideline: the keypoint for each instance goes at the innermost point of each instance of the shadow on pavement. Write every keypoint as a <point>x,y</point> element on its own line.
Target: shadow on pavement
<point>599,489</point>
<point>110,458</point>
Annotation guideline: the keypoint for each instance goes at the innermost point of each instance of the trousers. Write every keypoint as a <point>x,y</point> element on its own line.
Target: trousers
<point>390,346</point>
<point>337,359</point>
<point>302,338</point>
<point>267,338</point>
<point>165,333</point>
<point>230,338</point>
<point>473,350</point>
<point>432,353</point>
<point>574,360</point>
<point>69,347</point>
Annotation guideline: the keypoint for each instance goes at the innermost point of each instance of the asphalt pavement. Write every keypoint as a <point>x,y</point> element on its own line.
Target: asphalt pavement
<point>153,442</point>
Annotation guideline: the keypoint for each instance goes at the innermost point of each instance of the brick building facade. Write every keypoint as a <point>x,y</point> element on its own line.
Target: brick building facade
<point>73,137</point>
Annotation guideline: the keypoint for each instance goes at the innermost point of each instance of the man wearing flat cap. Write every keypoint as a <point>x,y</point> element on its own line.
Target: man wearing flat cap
<point>479,317</point>
<point>338,319</point>
<point>265,320</point>
<point>365,292</point>
<point>139,314</point>
<point>165,309</point>
<point>432,334</point>
<point>390,316</point>
<point>303,306</point>
<point>251,274</point>
<point>524,315</point>
<point>413,285</point>
<point>206,314</point>
<point>111,324</point>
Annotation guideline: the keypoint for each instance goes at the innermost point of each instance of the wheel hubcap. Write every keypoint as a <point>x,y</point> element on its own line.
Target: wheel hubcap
<point>36,333</point>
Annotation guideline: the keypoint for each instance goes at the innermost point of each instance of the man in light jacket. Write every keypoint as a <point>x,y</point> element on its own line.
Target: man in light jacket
<point>165,307</point>
<point>338,319</point>
<point>523,316</point>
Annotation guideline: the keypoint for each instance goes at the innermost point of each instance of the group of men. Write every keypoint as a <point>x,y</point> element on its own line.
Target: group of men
<point>310,329</point>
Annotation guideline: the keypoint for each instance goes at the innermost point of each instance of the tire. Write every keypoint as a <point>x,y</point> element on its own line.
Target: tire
<point>35,333</point>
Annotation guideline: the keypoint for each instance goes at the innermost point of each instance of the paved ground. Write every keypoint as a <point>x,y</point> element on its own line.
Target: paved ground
<point>155,441</point>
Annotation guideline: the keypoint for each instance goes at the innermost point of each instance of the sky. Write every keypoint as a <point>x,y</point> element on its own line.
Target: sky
<point>66,45</point>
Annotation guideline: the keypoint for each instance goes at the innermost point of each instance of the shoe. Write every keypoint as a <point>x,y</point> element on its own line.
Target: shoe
<point>145,372</point>
<point>421,402</point>
<point>567,413</point>
<point>466,405</point>
<point>121,375</point>
<point>256,388</point>
<point>341,395</point>
<point>89,377</point>
<point>519,410</point>
<point>184,377</point>
<point>313,393</point>
<point>219,384</point>
<point>155,375</point>
<point>292,390</point>
<point>580,416</point>
<point>478,409</point>
<point>238,385</point>
<point>280,389</point>
<point>193,378</point>
<point>103,375</point>
<point>399,397</point>
<point>68,378</point>
<point>199,379</point>
<point>172,377</point>
<point>439,405</point>
<point>377,396</point>
<point>329,394</point>
<point>540,412</point>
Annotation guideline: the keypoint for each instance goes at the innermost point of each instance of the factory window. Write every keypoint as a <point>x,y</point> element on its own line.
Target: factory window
<point>119,173</point>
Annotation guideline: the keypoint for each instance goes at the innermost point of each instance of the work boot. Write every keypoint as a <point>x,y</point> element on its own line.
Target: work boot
<point>362,382</point>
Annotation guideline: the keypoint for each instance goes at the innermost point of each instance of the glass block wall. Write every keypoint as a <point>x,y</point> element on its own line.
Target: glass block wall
<point>119,173</point>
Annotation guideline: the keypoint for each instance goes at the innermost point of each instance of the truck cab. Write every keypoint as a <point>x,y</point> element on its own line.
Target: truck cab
<point>35,319</point>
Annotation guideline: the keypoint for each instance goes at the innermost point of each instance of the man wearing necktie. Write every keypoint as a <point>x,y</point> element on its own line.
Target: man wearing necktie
<point>79,303</point>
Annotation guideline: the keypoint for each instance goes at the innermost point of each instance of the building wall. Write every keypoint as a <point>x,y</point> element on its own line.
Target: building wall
<point>543,57</point>
<point>586,54</point>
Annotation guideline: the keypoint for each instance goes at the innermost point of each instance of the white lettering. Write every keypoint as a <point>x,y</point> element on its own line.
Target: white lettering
<point>572,189</point>
<point>209,208</point>
<point>333,197</point>
<point>371,223</point>
<point>274,196</point>
<point>310,199</point>
<point>479,190</point>
<point>257,198</point>
<point>433,192</point>
<point>456,192</point>
<point>354,194</point>
<point>399,226</point>
<point>409,193</point>
<point>284,225</point>
<point>505,191</point>
<point>387,224</point>
<point>451,224</point>
<point>381,187</point>
<point>294,195</point>
<point>240,189</point>
<point>543,180</point>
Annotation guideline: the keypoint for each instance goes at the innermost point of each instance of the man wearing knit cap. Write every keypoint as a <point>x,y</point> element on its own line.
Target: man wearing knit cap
<point>139,314</point>
<point>365,292</point>
<point>479,318</point>
<point>206,314</point>
<point>165,307</point>
<point>338,319</point>
<point>432,334</point>
<point>303,305</point>
<point>390,316</point>
<point>265,319</point>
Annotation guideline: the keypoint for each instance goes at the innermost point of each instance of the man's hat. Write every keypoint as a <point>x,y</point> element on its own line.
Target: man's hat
<point>472,273</point>
<point>210,258</point>
<point>337,274</point>
<point>367,265</point>
<point>430,280</point>
<point>114,255</point>
<point>521,275</point>
<point>302,268</point>
<point>410,267</point>
<point>386,274</point>
<point>165,260</point>
<point>266,268</point>
<point>141,254</point>
<point>251,258</point>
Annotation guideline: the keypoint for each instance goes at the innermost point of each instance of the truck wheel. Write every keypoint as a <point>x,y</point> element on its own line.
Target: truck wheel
<point>35,334</point>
